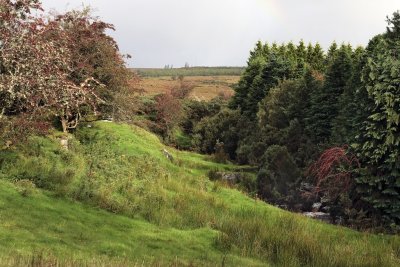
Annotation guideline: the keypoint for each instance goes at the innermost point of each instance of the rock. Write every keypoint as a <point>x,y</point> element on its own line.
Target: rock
<point>108,118</point>
<point>64,143</point>
<point>168,155</point>
<point>318,215</point>
<point>230,177</point>
<point>316,206</point>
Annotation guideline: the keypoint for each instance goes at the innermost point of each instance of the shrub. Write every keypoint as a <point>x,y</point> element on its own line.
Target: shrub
<point>25,187</point>
<point>278,175</point>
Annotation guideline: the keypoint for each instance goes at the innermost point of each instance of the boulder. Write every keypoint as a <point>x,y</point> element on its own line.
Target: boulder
<point>230,177</point>
<point>322,216</point>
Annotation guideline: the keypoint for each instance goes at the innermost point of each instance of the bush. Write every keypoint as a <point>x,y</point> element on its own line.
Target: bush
<point>278,175</point>
<point>25,187</point>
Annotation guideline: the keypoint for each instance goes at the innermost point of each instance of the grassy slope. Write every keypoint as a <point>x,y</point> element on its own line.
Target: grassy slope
<point>68,230</point>
<point>172,214</point>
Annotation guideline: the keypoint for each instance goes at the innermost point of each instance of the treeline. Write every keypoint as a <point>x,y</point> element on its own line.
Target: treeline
<point>321,127</point>
<point>189,71</point>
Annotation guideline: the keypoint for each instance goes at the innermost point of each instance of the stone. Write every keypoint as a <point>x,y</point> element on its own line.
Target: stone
<point>168,155</point>
<point>316,206</point>
<point>325,217</point>
<point>230,177</point>
<point>64,143</point>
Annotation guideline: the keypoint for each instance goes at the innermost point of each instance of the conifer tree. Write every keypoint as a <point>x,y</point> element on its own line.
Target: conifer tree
<point>325,102</point>
<point>379,143</point>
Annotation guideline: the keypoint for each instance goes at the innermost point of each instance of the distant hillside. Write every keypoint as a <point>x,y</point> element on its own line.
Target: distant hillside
<point>192,71</point>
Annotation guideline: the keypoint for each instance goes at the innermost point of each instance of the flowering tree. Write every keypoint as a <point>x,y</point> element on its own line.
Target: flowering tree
<point>36,66</point>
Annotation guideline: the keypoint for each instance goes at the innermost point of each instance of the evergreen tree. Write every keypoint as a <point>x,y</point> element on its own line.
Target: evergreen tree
<point>351,104</point>
<point>325,101</point>
<point>255,63</point>
<point>276,68</point>
<point>379,143</point>
<point>317,58</point>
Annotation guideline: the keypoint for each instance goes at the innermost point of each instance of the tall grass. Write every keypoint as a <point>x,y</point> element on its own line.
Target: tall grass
<point>125,172</point>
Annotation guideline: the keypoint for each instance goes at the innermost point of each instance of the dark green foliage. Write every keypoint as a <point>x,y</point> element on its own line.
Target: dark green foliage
<point>278,174</point>
<point>223,127</point>
<point>255,64</point>
<point>352,104</point>
<point>325,100</point>
<point>282,117</point>
<point>379,141</point>
<point>267,66</point>
<point>195,111</point>
<point>276,68</point>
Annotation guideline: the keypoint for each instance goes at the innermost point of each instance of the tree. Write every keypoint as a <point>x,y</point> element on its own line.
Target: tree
<point>325,101</point>
<point>95,54</point>
<point>225,127</point>
<point>255,63</point>
<point>35,76</point>
<point>278,175</point>
<point>351,104</point>
<point>379,142</point>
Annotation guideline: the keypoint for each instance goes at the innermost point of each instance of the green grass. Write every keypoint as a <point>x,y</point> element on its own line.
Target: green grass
<point>192,71</point>
<point>132,194</point>
<point>69,231</point>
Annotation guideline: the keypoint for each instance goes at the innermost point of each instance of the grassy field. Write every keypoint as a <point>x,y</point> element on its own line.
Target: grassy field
<point>127,204</point>
<point>192,71</point>
<point>204,87</point>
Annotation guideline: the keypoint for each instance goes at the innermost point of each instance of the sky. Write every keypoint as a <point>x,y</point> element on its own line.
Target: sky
<point>222,32</point>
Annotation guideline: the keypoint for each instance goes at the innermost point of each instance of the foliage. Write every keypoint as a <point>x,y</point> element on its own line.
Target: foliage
<point>267,66</point>
<point>325,100</point>
<point>333,172</point>
<point>95,54</point>
<point>195,111</point>
<point>36,72</point>
<point>379,142</point>
<point>224,127</point>
<point>278,175</point>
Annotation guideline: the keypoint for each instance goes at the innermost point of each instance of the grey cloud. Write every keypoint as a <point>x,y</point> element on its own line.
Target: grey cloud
<point>221,32</point>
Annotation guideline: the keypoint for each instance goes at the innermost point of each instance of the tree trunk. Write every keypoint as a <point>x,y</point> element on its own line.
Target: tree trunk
<point>64,123</point>
<point>64,139</point>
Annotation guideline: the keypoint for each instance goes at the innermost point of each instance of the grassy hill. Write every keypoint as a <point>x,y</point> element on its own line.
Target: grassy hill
<point>114,199</point>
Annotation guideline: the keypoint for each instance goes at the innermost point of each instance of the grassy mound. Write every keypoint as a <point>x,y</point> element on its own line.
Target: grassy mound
<point>160,211</point>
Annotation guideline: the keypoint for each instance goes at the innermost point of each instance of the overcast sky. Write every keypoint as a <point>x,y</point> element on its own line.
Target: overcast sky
<point>221,32</point>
